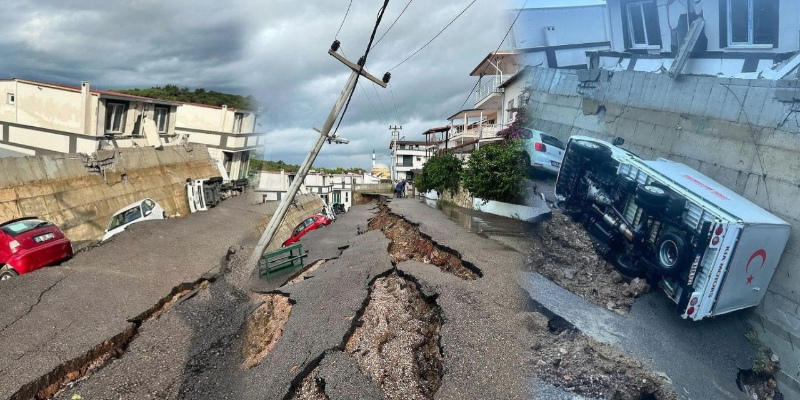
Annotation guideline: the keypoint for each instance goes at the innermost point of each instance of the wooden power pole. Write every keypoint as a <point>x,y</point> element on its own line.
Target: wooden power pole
<point>280,213</point>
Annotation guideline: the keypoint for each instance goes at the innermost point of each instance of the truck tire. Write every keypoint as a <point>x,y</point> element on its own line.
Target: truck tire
<point>671,254</point>
<point>651,198</point>
<point>626,267</point>
<point>590,150</point>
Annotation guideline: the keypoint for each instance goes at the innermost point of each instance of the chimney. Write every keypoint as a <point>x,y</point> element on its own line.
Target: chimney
<point>86,107</point>
<point>550,36</point>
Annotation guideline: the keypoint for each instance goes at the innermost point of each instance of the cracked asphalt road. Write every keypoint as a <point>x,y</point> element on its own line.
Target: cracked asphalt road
<point>193,349</point>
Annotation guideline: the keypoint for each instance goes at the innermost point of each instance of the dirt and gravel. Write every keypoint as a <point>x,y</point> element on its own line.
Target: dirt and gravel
<point>572,361</point>
<point>310,388</point>
<point>407,243</point>
<point>396,340</point>
<point>264,327</point>
<point>562,251</point>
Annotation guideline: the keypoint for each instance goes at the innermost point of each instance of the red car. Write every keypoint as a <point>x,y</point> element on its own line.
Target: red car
<point>311,223</point>
<point>27,244</point>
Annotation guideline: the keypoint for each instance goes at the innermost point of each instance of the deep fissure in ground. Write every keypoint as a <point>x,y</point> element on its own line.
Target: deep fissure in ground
<point>264,327</point>
<point>408,243</point>
<point>573,361</point>
<point>46,386</point>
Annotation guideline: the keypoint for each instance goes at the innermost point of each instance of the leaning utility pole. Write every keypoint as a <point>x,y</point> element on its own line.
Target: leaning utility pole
<point>280,213</point>
<point>395,137</point>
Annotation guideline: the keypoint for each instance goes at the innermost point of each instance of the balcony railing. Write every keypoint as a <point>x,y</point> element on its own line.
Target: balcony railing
<point>492,85</point>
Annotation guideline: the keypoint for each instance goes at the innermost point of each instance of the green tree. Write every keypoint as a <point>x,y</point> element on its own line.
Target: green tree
<point>440,173</point>
<point>199,95</point>
<point>495,172</point>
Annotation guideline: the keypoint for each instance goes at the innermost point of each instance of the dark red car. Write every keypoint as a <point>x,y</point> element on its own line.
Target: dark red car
<point>311,223</point>
<point>27,244</point>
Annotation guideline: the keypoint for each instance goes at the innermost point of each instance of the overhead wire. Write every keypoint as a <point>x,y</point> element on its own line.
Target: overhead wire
<point>494,53</point>
<point>380,101</point>
<point>393,22</point>
<point>396,114</point>
<point>343,19</point>
<point>371,104</point>
<point>435,36</point>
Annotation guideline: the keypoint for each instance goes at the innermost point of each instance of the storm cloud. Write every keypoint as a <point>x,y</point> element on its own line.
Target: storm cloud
<point>275,50</point>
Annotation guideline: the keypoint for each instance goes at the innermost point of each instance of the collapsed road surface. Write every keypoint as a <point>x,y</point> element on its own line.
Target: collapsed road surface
<point>59,323</point>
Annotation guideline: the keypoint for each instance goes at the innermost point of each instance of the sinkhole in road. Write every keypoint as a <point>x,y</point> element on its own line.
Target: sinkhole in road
<point>264,328</point>
<point>396,339</point>
<point>408,243</point>
<point>574,362</point>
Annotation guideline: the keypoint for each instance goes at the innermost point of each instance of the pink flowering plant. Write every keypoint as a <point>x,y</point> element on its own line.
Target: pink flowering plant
<point>517,128</point>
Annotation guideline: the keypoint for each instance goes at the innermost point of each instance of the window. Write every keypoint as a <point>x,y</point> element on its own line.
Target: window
<point>552,141</point>
<point>147,206</point>
<point>510,109</point>
<point>748,22</point>
<point>237,122</point>
<point>12,99</point>
<point>115,117</point>
<point>162,119</point>
<point>640,20</point>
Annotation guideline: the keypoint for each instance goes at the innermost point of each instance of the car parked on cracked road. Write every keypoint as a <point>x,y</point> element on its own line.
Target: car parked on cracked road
<point>309,224</point>
<point>27,244</point>
<point>142,210</point>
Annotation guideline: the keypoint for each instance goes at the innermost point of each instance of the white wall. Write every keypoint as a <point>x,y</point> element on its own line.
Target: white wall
<point>572,25</point>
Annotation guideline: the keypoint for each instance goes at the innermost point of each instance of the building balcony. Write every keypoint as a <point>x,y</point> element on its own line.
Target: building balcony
<point>489,93</point>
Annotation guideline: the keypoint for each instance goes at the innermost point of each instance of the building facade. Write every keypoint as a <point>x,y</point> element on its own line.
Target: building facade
<point>43,118</point>
<point>331,188</point>
<point>409,158</point>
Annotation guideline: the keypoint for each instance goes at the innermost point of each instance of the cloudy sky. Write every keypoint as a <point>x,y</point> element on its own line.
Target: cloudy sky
<point>275,50</point>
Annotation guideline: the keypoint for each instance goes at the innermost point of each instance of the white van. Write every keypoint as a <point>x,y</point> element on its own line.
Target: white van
<point>142,210</point>
<point>711,250</point>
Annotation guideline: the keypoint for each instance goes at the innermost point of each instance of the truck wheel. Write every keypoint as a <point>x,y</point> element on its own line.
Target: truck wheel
<point>671,253</point>
<point>591,150</point>
<point>652,198</point>
<point>626,267</point>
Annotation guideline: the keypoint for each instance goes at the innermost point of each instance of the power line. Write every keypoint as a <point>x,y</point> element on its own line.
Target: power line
<point>361,63</point>
<point>437,35</point>
<point>495,52</point>
<point>380,117</point>
<point>396,114</point>
<point>381,102</point>
<point>343,19</point>
<point>395,21</point>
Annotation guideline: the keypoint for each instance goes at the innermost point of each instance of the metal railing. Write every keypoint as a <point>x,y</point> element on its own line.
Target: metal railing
<point>492,85</point>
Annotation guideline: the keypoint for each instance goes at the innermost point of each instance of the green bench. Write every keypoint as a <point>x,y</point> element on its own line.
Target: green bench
<point>282,260</point>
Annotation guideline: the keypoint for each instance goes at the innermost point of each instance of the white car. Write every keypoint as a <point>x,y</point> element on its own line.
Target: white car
<point>542,151</point>
<point>142,210</point>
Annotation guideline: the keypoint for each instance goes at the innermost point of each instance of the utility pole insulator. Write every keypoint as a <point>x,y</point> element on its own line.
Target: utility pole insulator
<point>335,45</point>
<point>386,77</point>
<point>361,61</point>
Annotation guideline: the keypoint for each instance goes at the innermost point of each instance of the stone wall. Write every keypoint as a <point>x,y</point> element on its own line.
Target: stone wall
<point>79,193</point>
<point>742,133</point>
<point>461,198</point>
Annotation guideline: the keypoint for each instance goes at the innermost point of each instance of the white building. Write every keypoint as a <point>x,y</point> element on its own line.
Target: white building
<point>409,158</point>
<point>726,38</point>
<point>43,118</point>
<point>331,188</point>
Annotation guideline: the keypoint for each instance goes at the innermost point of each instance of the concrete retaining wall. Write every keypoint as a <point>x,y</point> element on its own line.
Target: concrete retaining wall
<point>742,133</point>
<point>80,193</point>
<point>305,206</point>
<point>461,198</point>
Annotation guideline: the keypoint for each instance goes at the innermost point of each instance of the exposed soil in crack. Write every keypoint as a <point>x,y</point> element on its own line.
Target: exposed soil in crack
<point>759,382</point>
<point>408,243</point>
<point>264,328</point>
<point>48,385</point>
<point>574,362</point>
<point>311,388</point>
<point>562,251</point>
<point>396,340</point>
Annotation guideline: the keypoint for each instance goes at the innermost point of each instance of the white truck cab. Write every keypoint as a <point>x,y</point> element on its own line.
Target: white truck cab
<point>711,250</point>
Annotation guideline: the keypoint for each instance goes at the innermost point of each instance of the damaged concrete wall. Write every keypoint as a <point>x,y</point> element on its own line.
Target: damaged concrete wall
<point>742,133</point>
<point>79,193</point>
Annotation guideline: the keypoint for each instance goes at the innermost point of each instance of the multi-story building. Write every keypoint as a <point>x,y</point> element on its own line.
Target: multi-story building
<point>44,118</point>
<point>409,158</point>
<point>331,188</point>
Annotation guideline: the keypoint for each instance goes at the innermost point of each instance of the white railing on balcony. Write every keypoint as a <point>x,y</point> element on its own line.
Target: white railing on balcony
<point>492,85</point>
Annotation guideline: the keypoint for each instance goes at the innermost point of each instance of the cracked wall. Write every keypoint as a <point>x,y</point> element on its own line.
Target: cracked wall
<point>71,191</point>
<point>742,133</point>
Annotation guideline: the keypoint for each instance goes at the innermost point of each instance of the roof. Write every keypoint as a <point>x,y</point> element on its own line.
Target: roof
<point>116,95</point>
<point>469,113</point>
<point>436,130</point>
<point>505,59</point>
<point>514,77</point>
<point>411,142</point>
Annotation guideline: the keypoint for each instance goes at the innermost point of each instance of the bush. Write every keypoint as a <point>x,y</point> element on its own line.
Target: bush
<point>440,173</point>
<point>495,172</point>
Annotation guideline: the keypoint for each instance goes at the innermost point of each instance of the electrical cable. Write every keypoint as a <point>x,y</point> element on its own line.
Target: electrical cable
<point>343,19</point>
<point>380,101</point>
<point>437,35</point>
<point>361,63</point>
<point>396,114</point>
<point>380,117</point>
<point>390,26</point>
<point>495,52</point>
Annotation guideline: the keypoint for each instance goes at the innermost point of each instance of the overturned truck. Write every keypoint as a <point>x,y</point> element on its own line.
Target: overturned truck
<point>710,250</point>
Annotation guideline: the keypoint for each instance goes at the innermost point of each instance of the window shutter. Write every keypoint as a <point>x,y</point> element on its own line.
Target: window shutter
<point>765,22</point>
<point>723,24</point>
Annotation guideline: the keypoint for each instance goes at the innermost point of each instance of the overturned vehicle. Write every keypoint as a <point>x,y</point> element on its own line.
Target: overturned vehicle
<point>710,250</point>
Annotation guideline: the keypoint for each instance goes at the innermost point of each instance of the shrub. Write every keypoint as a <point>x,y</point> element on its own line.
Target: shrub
<point>440,173</point>
<point>495,172</point>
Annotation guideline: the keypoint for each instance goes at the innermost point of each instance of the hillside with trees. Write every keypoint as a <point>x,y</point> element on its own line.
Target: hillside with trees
<point>200,96</point>
<point>267,165</point>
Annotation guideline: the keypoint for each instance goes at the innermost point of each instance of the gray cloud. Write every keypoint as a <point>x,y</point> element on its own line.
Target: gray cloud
<point>275,50</point>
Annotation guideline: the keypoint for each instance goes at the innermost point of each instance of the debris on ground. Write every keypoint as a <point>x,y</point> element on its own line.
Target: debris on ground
<point>407,243</point>
<point>396,340</point>
<point>562,251</point>
<point>574,362</point>
<point>264,328</point>
<point>759,382</point>
<point>310,388</point>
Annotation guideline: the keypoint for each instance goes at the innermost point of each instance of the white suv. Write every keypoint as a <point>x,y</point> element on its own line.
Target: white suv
<point>542,151</point>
